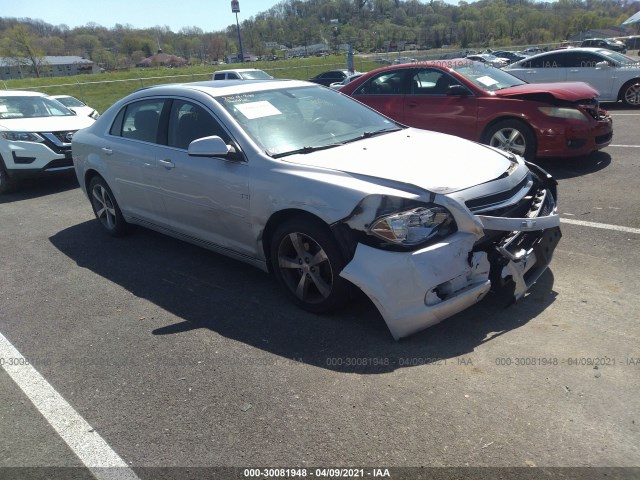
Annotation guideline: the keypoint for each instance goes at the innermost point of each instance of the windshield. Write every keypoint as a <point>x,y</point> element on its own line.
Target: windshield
<point>301,120</point>
<point>617,57</point>
<point>32,107</point>
<point>487,77</point>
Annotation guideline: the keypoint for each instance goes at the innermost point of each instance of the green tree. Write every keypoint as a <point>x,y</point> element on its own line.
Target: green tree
<point>20,46</point>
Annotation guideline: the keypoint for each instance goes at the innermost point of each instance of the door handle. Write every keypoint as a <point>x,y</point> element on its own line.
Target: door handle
<point>107,150</point>
<point>412,105</point>
<point>168,164</point>
<point>573,71</point>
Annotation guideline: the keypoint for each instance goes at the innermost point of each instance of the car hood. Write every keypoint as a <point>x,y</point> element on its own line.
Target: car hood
<point>433,161</point>
<point>46,124</point>
<point>567,91</point>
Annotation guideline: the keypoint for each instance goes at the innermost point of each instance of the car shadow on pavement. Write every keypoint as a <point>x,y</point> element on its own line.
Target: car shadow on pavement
<point>564,168</point>
<point>203,290</point>
<point>40,187</point>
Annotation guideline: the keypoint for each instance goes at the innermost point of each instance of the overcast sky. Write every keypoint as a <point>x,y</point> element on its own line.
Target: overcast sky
<point>209,15</point>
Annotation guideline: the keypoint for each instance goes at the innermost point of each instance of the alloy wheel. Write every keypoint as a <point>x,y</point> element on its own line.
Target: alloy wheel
<point>305,267</point>
<point>104,207</point>
<point>632,95</point>
<point>510,140</point>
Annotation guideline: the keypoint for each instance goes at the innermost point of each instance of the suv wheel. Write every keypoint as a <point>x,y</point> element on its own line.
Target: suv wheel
<point>7,183</point>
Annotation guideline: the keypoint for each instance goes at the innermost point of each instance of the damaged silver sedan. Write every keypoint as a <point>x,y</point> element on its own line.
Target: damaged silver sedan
<point>325,193</point>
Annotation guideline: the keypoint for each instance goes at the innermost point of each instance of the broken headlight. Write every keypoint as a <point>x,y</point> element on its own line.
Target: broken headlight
<point>414,226</point>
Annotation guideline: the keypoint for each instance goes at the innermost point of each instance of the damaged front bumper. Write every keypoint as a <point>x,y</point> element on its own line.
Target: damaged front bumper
<point>414,290</point>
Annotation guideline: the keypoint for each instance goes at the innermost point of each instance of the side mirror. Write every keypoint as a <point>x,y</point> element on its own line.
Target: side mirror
<point>603,64</point>
<point>457,91</point>
<point>212,146</point>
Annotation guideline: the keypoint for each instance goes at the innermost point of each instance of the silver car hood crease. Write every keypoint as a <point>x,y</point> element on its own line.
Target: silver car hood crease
<point>448,163</point>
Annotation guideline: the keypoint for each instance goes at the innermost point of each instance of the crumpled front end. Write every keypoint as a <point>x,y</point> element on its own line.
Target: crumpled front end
<point>502,241</point>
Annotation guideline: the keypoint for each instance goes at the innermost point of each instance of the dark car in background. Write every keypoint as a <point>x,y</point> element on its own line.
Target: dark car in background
<point>508,55</point>
<point>614,45</point>
<point>485,104</point>
<point>331,76</point>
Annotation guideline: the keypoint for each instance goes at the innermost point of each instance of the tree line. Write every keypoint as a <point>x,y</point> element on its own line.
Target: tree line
<point>368,25</point>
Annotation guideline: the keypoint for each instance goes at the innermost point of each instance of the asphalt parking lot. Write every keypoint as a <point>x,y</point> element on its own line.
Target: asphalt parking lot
<point>154,353</point>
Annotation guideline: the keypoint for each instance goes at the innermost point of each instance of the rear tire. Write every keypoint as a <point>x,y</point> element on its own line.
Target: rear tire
<point>512,136</point>
<point>630,93</point>
<point>106,208</point>
<point>307,262</point>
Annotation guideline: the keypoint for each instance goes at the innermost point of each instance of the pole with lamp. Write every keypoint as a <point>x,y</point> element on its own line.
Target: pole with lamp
<point>235,8</point>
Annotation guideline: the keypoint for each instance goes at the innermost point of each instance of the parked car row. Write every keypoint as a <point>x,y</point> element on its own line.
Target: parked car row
<point>330,195</point>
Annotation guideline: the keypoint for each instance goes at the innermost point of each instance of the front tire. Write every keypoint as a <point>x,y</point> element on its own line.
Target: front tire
<point>7,184</point>
<point>106,208</point>
<point>307,262</point>
<point>512,136</point>
<point>630,93</point>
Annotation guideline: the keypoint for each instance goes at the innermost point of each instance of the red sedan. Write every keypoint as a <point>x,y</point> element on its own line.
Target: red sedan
<point>486,104</point>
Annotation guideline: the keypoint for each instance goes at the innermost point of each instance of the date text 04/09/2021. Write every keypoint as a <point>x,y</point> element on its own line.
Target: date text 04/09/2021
<point>316,472</point>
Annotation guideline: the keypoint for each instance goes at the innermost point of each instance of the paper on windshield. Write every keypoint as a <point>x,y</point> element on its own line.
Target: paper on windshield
<point>487,81</point>
<point>255,110</point>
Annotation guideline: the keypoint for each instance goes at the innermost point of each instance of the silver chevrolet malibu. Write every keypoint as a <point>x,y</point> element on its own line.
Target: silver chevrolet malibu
<point>323,192</point>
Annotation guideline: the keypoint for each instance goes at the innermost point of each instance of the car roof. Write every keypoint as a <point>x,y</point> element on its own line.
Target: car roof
<point>21,93</point>
<point>238,70</point>
<point>226,87</point>
<point>572,50</point>
<point>448,63</point>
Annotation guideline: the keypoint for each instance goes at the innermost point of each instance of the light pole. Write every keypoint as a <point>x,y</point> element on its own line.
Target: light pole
<point>235,8</point>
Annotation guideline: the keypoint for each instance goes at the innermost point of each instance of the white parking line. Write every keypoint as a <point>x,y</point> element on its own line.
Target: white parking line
<point>91,449</point>
<point>605,226</point>
<point>626,146</point>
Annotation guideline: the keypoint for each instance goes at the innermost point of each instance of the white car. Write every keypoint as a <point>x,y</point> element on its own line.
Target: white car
<point>614,75</point>
<point>75,105</point>
<point>326,193</point>
<point>35,136</point>
<point>241,74</point>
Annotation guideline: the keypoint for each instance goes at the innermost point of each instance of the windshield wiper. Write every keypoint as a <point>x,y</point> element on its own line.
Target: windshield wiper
<point>373,134</point>
<point>305,150</point>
